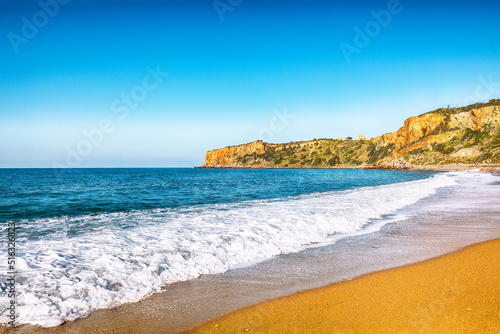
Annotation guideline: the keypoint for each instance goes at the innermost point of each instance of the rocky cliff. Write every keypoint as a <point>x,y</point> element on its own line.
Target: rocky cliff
<point>228,156</point>
<point>438,128</point>
<point>432,138</point>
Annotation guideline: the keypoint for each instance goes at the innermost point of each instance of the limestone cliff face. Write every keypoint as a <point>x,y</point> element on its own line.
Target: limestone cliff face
<point>427,142</point>
<point>476,118</point>
<point>227,156</point>
<point>406,139</point>
<point>415,128</point>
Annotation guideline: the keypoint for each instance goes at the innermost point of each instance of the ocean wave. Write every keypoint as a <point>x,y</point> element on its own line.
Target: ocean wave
<point>104,260</point>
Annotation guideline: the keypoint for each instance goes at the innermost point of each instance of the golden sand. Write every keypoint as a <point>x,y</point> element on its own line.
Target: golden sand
<point>455,293</point>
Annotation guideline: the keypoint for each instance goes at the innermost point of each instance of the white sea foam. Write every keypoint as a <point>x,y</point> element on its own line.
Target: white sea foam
<point>123,257</point>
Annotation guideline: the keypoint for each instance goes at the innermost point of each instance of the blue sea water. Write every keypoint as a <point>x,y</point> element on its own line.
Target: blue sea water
<point>42,193</point>
<point>96,238</point>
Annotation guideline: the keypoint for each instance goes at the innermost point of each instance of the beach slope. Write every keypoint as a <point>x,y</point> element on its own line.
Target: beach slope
<point>455,293</point>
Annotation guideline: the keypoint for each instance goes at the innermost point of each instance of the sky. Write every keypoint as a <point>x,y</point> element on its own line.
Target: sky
<point>110,83</point>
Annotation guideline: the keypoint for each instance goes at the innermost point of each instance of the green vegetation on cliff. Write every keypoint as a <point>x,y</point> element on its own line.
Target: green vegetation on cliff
<point>327,153</point>
<point>448,111</point>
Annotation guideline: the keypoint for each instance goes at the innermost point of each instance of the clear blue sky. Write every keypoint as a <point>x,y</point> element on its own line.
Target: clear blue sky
<point>76,87</point>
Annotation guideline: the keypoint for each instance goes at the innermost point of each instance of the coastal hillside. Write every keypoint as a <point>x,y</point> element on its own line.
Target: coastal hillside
<point>469,135</point>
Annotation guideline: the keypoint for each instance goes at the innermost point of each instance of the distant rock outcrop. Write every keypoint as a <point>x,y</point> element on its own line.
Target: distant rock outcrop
<point>227,156</point>
<point>440,136</point>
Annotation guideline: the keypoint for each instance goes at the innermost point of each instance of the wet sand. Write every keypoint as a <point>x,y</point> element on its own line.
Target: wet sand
<point>440,224</point>
<point>455,293</point>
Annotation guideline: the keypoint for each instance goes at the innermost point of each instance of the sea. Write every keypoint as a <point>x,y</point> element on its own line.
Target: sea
<point>88,239</point>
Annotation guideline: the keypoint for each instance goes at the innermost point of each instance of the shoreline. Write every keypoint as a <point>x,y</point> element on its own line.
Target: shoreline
<point>186,304</point>
<point>456,293</point>
<point>491,168</point>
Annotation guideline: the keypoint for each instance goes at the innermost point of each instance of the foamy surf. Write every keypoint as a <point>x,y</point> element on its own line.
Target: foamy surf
<point>66,274</point>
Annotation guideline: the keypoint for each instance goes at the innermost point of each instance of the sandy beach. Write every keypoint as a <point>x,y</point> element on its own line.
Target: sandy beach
<point>455,293</point>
